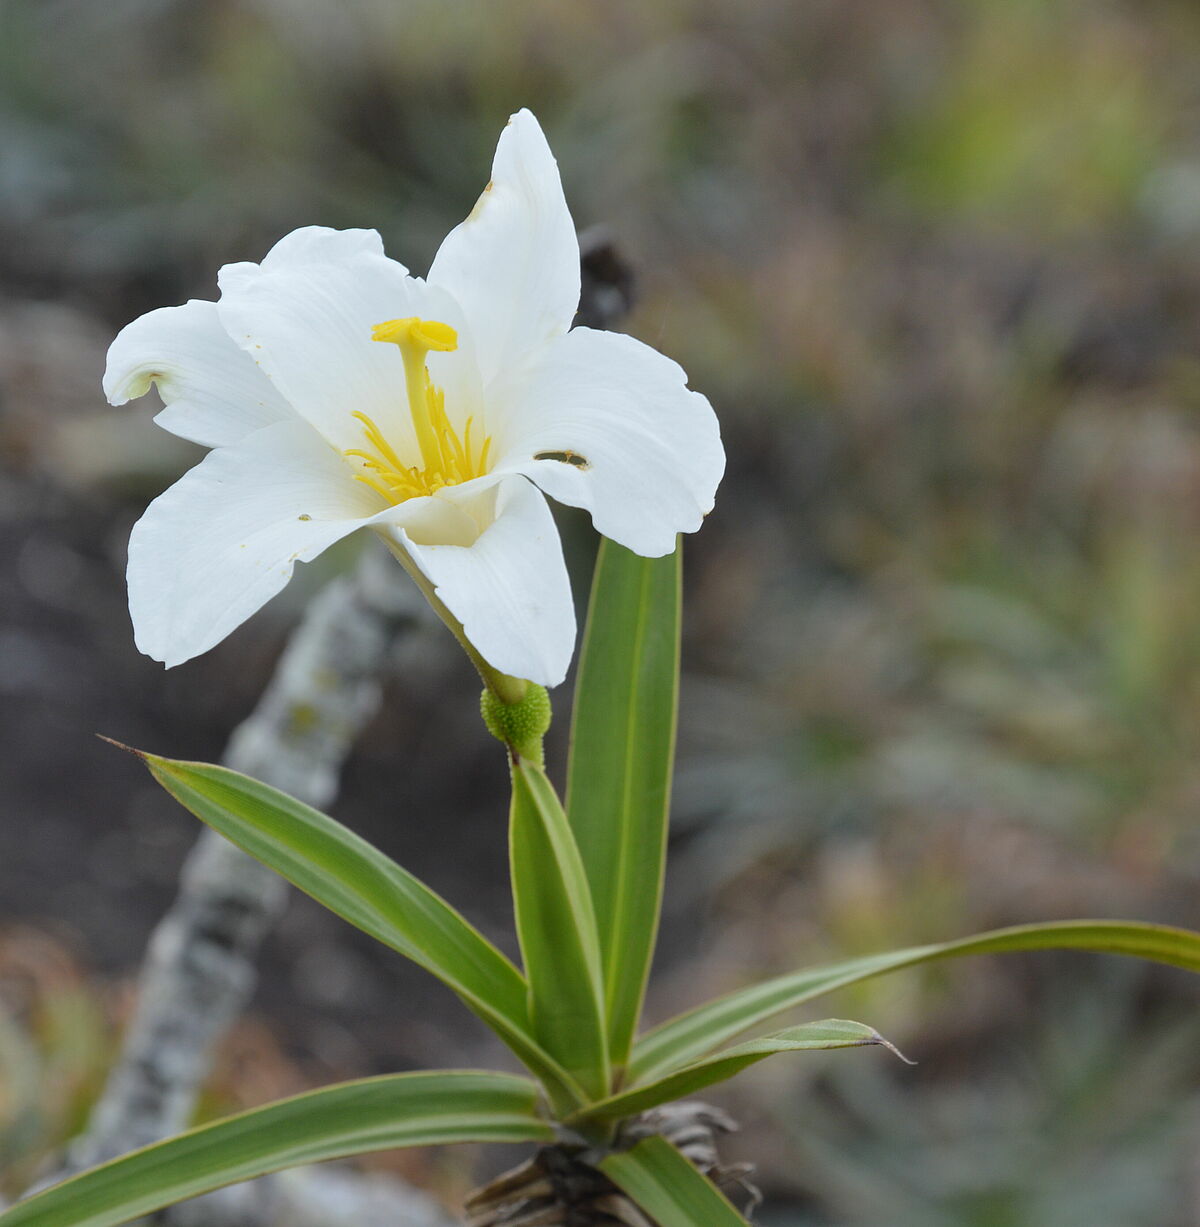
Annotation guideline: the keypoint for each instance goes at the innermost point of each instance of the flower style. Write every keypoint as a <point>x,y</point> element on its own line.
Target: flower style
<point>339,392</point>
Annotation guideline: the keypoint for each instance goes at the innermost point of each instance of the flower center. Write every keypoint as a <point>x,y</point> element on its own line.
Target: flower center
<point>447,459</point>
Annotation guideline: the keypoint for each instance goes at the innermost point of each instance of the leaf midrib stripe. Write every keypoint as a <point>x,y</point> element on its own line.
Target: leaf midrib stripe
<point>621,886</point>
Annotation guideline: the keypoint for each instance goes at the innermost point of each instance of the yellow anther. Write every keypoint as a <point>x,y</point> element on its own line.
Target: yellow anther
<point>446,459</point>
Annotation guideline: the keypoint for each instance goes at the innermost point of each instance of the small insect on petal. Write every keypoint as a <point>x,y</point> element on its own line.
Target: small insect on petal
<point>565,457</point>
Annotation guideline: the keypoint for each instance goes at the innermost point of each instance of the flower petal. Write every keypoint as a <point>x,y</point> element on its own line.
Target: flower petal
<point>508,587</point>
<point>305,315</point>
<point>618,433</point>
<point>214,394</point>
<point>319,244</point>
<point>224,539</point>
<point>513,265</point>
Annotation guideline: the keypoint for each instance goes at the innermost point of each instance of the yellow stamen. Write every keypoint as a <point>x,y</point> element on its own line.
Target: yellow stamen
<point>447,460</point>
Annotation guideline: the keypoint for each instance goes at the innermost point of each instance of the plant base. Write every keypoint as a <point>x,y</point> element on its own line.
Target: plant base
<point>560,1186</point>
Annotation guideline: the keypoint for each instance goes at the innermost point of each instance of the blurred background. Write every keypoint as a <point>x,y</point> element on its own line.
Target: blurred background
<point>937,265</point>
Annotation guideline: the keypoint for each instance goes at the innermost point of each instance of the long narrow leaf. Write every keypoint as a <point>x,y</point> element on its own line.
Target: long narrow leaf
<point>681,1040</point>
<point>808,1037</point>
<point>671,1191</point>
<point>362,885</point>
<point>557,930</point>
<point>622,752</point>
<point>351,1118</point>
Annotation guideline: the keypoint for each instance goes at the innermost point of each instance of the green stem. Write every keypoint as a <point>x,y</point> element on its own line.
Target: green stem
<point>507,689</point>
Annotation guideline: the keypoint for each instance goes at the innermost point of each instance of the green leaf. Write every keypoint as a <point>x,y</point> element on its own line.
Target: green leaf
<point>358,882</point>
<point>671,1191</point>
<point>422,1109</point>
<point>831,1033</point>
<point>557,930</point>
<point>681,1040</point>
<point>622,752</point>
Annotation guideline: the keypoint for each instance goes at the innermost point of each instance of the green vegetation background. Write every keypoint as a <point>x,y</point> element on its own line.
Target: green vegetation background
<point>937,265</point>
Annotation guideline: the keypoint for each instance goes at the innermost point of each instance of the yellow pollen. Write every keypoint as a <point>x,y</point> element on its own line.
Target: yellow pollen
<point>447,459</point>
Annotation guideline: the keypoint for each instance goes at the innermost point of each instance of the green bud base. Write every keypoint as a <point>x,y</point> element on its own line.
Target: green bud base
<point>520,725</point>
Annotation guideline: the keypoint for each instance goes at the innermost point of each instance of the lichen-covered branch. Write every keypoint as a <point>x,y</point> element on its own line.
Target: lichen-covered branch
<point>325,1196</point>
<point>199,969</point>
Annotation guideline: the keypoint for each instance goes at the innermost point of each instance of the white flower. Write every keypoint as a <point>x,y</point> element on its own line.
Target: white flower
<point>338,392</point>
